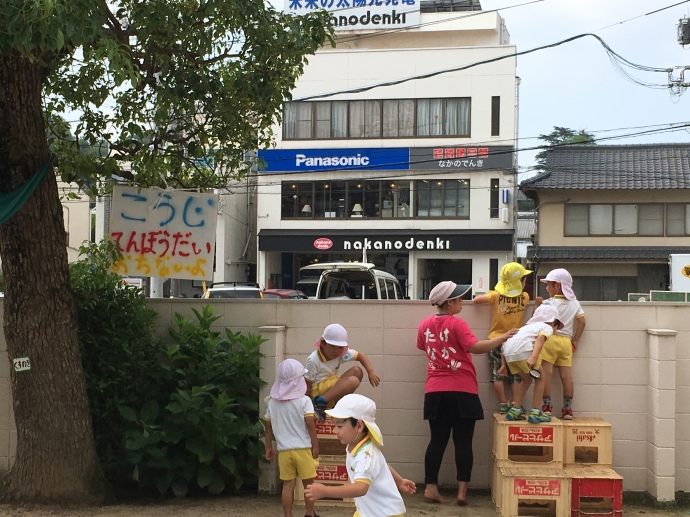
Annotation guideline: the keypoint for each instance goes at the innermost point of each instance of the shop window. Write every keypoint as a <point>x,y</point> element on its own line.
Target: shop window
<point>297,200</point>
<point>442,198</point>
<point>330,199</point>
<point>372,199</point>
<point>395,199</point>
<point>493,199</point>
<point>355,199</point>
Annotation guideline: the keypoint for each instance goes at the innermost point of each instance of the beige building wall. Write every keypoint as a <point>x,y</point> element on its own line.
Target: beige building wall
<point>623,373</point>
<point>77,217</point>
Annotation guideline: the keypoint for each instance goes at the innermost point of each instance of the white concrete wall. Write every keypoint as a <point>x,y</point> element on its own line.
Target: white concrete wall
<point>618,373</point>
<point>77,219</point>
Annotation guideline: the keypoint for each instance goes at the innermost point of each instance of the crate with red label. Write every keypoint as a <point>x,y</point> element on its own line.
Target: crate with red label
<point>521,444</point>
<point>533,491</point>
<point>330,471</point>
<point>587,442</point>
<point>595,492</point>
<point>325,429</point>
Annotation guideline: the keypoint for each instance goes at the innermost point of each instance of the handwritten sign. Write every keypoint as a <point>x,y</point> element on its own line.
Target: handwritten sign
<point>164,233</point>
<point>537,434</point>
<point>21,364</point>
<point>546,487</point>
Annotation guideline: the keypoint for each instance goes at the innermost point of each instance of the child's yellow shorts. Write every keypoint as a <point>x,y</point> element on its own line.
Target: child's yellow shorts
<point>521,366</point>
<point>296,462</point>
<point>557,350</point>
<point>323,386</point>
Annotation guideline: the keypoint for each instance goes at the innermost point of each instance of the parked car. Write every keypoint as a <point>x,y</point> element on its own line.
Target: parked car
<point>308,285</point>
<point>355,281</point>
<point>285,294</point>
<point>233,290</point>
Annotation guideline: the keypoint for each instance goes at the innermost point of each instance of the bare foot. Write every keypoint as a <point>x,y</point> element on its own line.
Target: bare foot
<point>431,494</point>
<point>462,502</point>
<point>462,493</point>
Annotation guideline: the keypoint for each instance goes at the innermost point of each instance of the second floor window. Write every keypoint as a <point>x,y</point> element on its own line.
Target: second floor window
<point>390,118</point>
<point>649,219</point>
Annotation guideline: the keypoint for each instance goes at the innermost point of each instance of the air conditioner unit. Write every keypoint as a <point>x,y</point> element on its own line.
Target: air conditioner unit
<point>505,215</point>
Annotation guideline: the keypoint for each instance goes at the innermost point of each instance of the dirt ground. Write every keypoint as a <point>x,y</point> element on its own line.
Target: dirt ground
<point>269,506</point>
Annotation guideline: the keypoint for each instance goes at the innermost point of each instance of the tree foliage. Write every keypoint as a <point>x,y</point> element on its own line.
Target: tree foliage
<point>562,136</point>
<point>174,91</point>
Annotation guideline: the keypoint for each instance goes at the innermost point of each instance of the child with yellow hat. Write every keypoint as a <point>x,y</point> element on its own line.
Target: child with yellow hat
<point>508,303</point>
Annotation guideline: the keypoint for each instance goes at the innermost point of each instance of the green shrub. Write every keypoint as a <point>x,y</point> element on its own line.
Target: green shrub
<point>118,350</point>
<point>204,430</point>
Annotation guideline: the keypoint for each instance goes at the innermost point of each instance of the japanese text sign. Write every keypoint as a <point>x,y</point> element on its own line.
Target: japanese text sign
<point>164,233</point>
<point>535,434</point>
<point>352,15</point>
<point>546,487</point>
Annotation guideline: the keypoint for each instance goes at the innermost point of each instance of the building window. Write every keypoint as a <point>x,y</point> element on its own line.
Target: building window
<point>493,201</point>
<point>297,200</point>
<point>495,116</point>
<point>493,273</point>
<point>377,119</point>
<point>443,198</point>
<point>677,219</point>
<point>642,219</point>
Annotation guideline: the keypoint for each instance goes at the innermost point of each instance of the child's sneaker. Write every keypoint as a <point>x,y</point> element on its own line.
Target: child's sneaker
<point>320,404</point>
<point>515,413</point>
<point>547,409</point>
<point>504,408</point>
<point>537,416</point>
<point>567,413</point>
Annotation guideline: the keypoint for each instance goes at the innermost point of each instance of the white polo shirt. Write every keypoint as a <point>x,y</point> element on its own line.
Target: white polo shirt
<point>366,463</point>
<point>287,421</point>
<point>568,312</point>
<point>320,369</point>
<point>521,345</point>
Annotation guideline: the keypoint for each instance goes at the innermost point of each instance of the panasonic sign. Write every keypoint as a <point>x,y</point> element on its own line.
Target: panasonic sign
<point>330,161</point>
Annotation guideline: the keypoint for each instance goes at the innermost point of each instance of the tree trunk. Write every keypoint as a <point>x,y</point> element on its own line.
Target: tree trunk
<point>56,457</point>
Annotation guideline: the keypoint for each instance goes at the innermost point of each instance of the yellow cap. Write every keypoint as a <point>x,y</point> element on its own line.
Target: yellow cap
<point>511,284</point>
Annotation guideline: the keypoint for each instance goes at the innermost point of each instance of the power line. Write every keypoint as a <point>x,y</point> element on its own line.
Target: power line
<point>618,59</point>
<point>642,15</point>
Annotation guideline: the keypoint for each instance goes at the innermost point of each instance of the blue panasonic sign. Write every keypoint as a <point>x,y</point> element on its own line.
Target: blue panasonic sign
<point>311,160</point>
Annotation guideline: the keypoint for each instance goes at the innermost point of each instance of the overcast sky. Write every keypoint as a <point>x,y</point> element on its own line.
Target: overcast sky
<point>575,85</point>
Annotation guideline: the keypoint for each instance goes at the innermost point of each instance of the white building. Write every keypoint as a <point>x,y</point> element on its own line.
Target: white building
<point>421,173</point>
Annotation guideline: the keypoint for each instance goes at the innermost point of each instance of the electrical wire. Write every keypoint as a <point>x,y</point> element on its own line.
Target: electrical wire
<point>642,15</point>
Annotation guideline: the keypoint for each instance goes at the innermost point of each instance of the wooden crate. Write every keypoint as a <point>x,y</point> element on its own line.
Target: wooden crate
<point>533,492</point>
<point>325,429</point>
<point>328,447</point>
<point>332,472</point>
<point>521,444</point>
<point>587,442</point>
<point>595,492</point>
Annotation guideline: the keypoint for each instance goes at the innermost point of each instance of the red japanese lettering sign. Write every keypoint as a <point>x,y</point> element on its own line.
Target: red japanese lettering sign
<point>325,427</point>
<point>527,434</point>
<point>537,487</point>
<point>331,473</point>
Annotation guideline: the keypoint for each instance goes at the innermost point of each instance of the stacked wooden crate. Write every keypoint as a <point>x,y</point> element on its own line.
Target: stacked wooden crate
<point>555,469</point>
<point>331,470</point>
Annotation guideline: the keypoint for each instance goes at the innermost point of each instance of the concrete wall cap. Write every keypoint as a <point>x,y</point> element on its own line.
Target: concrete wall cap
<point>662,332</point>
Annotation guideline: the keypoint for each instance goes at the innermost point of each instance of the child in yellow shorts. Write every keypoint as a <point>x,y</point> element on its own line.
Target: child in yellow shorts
<point>521,353</point>
<point>323,383</point>
<point>290,417</point>
<point>559,348</point>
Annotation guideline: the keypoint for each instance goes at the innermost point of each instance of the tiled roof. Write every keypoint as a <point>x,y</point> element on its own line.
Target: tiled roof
<point>525,227</point>
<point>542,253</point>
<point>621,167</point>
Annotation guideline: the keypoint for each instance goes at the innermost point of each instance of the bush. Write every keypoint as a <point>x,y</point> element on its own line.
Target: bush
<point>118,350</point>
<point>204,430</point>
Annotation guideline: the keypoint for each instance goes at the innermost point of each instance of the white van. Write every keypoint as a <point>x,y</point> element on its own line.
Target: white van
<point>354,281</point>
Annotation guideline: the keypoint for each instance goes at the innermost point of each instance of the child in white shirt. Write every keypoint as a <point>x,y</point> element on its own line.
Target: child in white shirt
<point>373,483</point>
<point>522,355</point>
<point>323,383</point>
<point>290,417</point>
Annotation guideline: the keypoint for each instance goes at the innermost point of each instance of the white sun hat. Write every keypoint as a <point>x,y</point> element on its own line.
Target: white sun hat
<point>361,408</point>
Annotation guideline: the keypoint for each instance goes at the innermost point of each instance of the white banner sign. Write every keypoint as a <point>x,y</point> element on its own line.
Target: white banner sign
<point>164,233</point>
<point>358,15</point>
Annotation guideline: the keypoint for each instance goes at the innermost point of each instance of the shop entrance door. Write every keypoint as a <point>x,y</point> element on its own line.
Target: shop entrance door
<point>433,271</point>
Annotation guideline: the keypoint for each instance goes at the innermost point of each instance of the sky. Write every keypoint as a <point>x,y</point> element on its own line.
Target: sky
<point>575,85</point>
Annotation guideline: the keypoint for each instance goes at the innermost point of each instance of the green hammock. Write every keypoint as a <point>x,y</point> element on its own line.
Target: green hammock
<point>10,202</point>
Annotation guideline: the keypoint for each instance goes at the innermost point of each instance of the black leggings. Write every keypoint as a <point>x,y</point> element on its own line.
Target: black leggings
<point>463,431</point>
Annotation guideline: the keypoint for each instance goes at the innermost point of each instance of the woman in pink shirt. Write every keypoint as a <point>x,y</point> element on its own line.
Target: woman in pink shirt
<point>451,400</point>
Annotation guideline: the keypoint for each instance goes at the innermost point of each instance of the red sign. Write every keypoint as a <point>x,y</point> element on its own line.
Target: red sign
<point>483,152</point>
<point>331,473</point>
<point>438,153</point>
<point>471,151</point>
<point>548,487</point>
<point>325,427</point>
<point>322,243</point>
<point>524,434</point>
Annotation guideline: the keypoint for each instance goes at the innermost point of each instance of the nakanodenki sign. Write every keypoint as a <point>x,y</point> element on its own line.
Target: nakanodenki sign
<point>164,233</point>
<point>359,15</point>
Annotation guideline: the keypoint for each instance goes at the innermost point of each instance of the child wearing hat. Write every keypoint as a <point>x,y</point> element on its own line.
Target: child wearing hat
<point>290,417</point>
<point>373,483</point>
<point>558,349</point>
<point>521,353</point>
<point>323,383</point>
<point>508,302</point>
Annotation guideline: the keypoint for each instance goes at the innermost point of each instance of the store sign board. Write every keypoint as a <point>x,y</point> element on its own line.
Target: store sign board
<point>164,233</point>
<point>471,157</point>
<point>357,15</point>
<point>313,160</point>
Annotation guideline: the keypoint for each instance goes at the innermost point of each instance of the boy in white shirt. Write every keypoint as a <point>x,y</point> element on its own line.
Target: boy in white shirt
<point>522,355</point>
<point>373,483</point>
<point>290,416</point>
<point>323,383</point>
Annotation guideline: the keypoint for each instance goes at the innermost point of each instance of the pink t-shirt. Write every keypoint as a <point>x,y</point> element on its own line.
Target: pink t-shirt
<point>446,339</point>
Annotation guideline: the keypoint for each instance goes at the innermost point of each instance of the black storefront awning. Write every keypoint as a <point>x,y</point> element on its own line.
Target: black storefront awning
<point>311,241</point>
